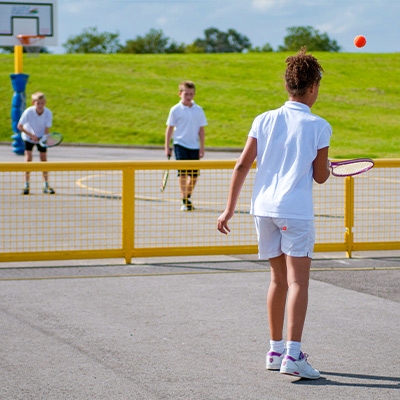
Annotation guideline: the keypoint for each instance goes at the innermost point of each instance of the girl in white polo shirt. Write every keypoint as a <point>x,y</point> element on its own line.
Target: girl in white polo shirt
<point>34,123</point>
<point>291,146</point>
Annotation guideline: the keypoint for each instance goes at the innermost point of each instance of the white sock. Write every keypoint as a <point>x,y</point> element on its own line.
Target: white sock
<point>277,346</point>
<point>293,349</point>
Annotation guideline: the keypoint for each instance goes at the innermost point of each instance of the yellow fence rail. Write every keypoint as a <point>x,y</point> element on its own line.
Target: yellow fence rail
<point>116,210</point>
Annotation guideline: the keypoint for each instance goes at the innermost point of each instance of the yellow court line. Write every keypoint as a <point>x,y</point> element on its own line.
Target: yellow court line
<point>134,275</point>
<point>195,273</point>
<point>86,178</point>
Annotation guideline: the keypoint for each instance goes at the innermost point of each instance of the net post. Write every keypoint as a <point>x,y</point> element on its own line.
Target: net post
<point>128,213</point>
<point>349,215</point>
<point>18,59</point>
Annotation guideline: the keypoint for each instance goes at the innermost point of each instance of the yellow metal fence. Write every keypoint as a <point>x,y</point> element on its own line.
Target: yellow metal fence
<point>116,210</point>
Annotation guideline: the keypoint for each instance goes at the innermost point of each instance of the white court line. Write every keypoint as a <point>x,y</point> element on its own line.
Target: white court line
<point>82,185</point>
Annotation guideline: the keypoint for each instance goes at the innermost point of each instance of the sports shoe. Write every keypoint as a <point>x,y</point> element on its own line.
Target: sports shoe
<point>187,205</point>
<point>25,191</point>
<point>48,190</point>
<point>300,367</point>
<point>274,360</point>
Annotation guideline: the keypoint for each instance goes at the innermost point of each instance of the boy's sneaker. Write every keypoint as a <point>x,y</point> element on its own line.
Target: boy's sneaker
<point>300,368</point>
<point>274,360</point>
<point>48,190</point>
<point>187,205</point>
<point>25,191</point>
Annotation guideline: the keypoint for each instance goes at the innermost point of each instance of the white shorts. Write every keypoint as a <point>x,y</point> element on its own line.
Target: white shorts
<point>277,236</point>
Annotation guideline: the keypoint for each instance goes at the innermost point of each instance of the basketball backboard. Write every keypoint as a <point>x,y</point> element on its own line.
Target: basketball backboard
<point>28,18</point>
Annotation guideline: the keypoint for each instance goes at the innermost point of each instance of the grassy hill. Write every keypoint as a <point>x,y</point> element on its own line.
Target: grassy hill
<point>126,98</point>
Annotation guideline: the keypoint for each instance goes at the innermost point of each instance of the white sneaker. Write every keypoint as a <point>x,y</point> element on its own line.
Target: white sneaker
<point>300,367</point>
<point>188,206</point>
<point>274,360</point>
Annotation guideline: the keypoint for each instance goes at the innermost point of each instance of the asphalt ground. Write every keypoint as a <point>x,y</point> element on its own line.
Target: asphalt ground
<point>190,327</point>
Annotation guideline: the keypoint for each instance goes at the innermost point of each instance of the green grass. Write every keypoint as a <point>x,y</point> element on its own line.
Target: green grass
<point>126,98</point>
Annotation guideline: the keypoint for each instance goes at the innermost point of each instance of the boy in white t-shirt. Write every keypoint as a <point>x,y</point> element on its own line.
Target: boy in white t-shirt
<point>291,146</point>
<point>185,125</point>
<point>34,123</point>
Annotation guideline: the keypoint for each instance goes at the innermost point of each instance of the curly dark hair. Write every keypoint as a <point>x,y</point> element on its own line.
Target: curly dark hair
<point>302,71</point>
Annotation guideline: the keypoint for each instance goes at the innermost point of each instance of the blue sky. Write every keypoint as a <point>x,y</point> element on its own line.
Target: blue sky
<point>260,20</point>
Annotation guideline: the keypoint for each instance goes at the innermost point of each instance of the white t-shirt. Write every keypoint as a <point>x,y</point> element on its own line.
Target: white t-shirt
<point>35,123</point>
<point>287,143</point>
<point>187,122</point>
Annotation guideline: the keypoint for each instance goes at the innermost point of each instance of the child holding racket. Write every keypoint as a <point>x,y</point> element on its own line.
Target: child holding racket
<point>291,147</point>
<point>185,125</point>
<point>34,123</point>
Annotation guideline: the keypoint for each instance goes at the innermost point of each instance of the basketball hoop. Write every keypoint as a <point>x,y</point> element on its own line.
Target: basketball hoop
<point>32,43</point>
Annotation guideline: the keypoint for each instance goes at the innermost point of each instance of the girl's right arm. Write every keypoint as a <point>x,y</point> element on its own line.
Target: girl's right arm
<point>239,175</point>
<point>321,169</point>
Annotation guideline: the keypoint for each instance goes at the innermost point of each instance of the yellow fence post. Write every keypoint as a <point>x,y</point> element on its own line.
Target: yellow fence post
<point>349,214</point>
<point>128,213</point>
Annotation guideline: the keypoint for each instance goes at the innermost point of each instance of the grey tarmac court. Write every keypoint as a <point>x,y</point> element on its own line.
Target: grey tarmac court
<point>190,327</point>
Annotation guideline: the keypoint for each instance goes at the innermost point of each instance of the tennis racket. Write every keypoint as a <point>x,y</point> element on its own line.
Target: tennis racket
<point>351,167</point>
<point>164,178</point>
<point>51,140</point>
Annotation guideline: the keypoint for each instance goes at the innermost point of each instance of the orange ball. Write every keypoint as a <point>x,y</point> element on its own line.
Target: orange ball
<point>360,41</point>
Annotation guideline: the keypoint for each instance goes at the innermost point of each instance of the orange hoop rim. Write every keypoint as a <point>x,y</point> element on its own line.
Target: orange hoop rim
<point>28,40</point>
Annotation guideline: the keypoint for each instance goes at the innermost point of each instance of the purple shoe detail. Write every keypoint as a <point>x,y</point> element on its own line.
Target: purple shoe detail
<point>273,353</point>
<point>290,358</point>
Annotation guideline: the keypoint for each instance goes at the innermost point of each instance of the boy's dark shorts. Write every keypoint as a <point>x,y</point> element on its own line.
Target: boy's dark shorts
<point>29,146</point>
<point>183,153</point>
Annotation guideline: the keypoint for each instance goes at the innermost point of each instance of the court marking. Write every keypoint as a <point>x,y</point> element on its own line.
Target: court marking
<point>333,269</point>
<point>80,183</point>
<point>109,194</point>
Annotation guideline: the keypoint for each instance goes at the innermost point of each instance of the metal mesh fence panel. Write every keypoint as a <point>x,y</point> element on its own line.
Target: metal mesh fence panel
<point>113,209</point>
<point>84,213</point>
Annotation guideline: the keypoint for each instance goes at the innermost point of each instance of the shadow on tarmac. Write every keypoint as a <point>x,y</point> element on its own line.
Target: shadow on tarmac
<point>327,382</point>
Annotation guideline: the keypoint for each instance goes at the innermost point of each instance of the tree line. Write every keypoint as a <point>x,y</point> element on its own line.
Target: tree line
<point>214,41</point>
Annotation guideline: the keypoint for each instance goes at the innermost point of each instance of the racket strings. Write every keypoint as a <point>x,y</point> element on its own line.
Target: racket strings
<point>53,139</point>
<point>50,141</point>
<point>352,168</point>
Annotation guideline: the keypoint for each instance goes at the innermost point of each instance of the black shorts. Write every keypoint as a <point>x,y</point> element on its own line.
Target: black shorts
<point>183,153</point>
<point>29,147</point>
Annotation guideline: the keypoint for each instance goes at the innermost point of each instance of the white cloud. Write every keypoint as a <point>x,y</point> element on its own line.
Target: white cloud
<point>287,5</point>
<point>162,21</point>
<point>264,5</point>
<point>75,7</point>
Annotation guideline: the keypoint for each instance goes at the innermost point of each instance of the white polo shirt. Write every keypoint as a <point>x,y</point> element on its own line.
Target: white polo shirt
<point>187,122</point>
<point>35,123</point>
<point>287,143</point>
